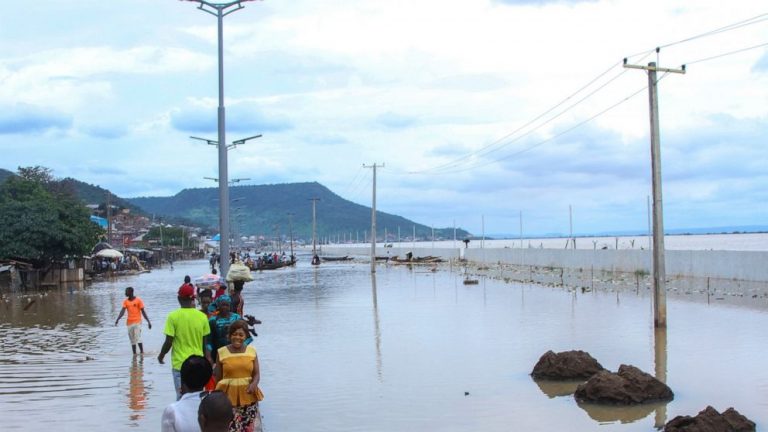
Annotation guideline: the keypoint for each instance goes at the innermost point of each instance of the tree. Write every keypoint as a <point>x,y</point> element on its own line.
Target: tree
<point>41,224</point>
<point>36,174</point>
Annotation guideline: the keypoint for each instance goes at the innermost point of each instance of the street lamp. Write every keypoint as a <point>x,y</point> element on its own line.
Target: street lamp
<point>237,180</point>
<point>220,10</point>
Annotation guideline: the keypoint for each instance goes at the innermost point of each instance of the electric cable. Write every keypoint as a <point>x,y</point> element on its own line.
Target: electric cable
<point>726,54</point>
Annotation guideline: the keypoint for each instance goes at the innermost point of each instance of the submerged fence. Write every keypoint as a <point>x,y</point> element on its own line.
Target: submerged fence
<point>733,265</point>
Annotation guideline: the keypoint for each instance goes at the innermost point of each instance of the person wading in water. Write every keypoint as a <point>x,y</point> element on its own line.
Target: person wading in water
<point>135,308</point>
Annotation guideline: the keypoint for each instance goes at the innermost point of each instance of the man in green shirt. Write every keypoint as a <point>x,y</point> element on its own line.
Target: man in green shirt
<point>185,331</point>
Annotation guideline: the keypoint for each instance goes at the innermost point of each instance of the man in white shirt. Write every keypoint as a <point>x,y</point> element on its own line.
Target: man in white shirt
<point>181,416</point>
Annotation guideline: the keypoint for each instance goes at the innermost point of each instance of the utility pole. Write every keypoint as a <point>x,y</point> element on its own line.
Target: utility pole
<point>314,226</point>
<point>220,10</point>
<point>109,218</point>
<point>659,272</point>
<point>648,212</point>
<point>454,233</point>
<point>373,217</point>
<point>482,224</point>
<point>570,224</point>
<point>290,229</point>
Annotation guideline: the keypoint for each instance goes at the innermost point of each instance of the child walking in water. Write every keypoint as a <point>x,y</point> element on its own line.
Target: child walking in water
<point>135,308</point>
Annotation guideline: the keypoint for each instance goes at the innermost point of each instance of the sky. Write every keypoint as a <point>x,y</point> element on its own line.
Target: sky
<point>483,113</point>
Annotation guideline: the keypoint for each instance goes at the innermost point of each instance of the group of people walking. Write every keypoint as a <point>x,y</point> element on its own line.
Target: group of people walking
<point>215,369</point>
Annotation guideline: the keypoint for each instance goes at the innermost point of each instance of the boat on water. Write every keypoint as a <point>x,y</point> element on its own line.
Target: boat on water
<point>331,258</point>
<point>410,259</point>
<point>272,265</point>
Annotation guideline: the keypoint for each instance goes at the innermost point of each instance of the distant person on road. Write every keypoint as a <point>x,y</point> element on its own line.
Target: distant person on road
<point>188,281</point>
<point>186,330</point>
<point>206,300</point>
<point>215,413</point>
<point>182,415</point>
<point>236,293</point>
<point>135,308</point>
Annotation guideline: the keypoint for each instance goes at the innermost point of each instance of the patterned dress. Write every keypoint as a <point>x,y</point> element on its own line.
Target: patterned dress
<point>236,375</point>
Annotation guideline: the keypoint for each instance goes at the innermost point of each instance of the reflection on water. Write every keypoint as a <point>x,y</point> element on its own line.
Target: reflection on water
<point>555,389</point>
<point>408,349</point>
<point>137,395</point>
<point>621,414</point>
<point>660,366</point>
<point>377,329</point>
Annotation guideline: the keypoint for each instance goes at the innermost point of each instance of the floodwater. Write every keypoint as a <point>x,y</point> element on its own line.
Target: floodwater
<point>406,350</point>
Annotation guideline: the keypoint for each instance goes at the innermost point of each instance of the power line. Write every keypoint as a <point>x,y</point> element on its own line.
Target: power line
<point>733,26</point>
<point>453,166</point>
<point>348,188</point>
<point>750,21</point>
<point>552,138</point>
<point>727,54</point>
<point>500,140</point>
<point>538,127</point>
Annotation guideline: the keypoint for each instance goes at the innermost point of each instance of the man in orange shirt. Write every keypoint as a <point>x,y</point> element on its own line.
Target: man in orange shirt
<point>135,308</point>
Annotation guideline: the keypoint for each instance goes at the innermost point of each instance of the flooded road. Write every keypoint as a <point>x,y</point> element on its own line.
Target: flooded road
<point>408,350</point>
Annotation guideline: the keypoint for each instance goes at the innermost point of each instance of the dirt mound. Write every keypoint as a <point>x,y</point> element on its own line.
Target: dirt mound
<point>628,386</point>
<point>710,420</point>
<point>566,365</point>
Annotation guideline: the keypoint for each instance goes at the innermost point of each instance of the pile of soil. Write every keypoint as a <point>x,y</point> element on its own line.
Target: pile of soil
<point>710,420</point>
<point>628,386</point>
<point>566,365</point>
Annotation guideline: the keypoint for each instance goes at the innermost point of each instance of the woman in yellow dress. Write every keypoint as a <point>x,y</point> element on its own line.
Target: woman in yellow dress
<point>237,375</point>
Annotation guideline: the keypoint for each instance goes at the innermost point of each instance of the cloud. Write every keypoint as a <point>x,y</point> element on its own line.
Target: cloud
<point>396,121</point>
<point>23,119</point>
<point>105,131</point>
<point>540,2</point>
<point>468,82</point>
<point>762,64</point>
<point>239,118</point>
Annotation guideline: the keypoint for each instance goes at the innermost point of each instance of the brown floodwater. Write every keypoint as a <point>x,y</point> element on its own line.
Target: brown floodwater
<point>406,350</point>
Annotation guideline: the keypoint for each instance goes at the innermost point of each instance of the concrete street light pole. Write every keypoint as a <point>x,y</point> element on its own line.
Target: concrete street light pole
<point>220,10</point>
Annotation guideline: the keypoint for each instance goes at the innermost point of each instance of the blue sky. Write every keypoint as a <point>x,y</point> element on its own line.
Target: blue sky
<point>473,106</point>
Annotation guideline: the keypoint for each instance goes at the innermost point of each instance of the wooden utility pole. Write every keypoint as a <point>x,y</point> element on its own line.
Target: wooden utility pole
<point>659,272</point>
<point>373,217</point>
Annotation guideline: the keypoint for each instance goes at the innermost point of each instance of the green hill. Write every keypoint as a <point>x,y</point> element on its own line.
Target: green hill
<point>4,174</point>
<point>263,210</point>
<point>92,194</point>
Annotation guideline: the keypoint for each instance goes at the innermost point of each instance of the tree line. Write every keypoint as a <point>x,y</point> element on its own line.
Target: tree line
<point>42,220</point>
